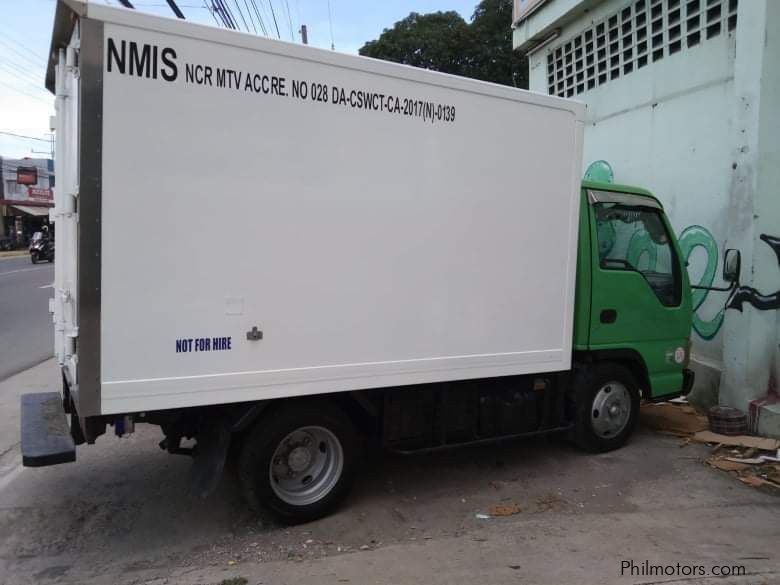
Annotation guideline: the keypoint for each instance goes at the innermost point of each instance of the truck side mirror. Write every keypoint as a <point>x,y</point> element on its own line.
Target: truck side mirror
<point>732,264</point>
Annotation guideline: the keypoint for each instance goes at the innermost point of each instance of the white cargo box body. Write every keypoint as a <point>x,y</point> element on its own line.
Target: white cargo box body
<point>380,225</point>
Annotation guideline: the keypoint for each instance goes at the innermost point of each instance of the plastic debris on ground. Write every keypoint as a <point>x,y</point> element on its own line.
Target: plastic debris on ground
<point>499,510</point>
<point>762,443</point>
<point>504,510</point>
<point>751,468</point>
<point>755,461</point>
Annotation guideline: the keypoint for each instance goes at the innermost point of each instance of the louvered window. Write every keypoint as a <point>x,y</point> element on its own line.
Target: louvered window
<point>639,34</point>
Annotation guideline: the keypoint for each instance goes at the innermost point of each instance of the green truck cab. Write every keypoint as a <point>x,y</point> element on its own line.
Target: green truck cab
<point>633,308</point>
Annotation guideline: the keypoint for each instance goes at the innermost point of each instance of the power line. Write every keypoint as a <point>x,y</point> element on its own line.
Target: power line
<point>217,11</point>
<point>298,11</point>
<point>226,15</point>
<point>33,85</point>
<point>241,14</point>
<point>24,71</point>
<point>276,24</point>
<point>11,87</point>
<point>289,20</point>
<point>24,92</point>
<point>22,55</point>
<point>267,15</point>
<point>211,11</point>
<point>160,5</point>
<point>330,21</point>
<point>259,18</point>
<point>251,18</point>
<point>23,46</point>
<point>46,140</point>
<point>229,10</point>
<point>301,26</point>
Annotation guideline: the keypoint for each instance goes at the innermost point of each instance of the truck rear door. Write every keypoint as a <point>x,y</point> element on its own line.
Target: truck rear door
<point>64,304</point>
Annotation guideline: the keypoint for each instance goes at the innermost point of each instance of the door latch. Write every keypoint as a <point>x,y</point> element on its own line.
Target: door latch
<point>254,335</point>
<point>608,316</point>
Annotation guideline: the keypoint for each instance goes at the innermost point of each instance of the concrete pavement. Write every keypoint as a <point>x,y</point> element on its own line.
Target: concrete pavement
<point>122,514</point>
<point>25,323</point>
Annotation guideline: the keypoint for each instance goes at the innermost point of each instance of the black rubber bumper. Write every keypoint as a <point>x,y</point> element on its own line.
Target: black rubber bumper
<point>46,438</point>
<point>688,378</point>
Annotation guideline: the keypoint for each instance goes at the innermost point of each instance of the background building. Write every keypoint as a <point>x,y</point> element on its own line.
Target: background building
<point>24,208</point>
<point>684,98</point>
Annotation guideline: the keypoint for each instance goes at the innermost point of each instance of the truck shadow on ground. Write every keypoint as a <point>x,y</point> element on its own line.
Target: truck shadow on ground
<point>129,505</point>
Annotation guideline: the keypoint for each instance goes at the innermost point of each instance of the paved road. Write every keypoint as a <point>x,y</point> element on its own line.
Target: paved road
<point>25,323</point>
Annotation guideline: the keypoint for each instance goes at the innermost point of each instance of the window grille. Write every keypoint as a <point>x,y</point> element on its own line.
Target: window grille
<point>642,32</point>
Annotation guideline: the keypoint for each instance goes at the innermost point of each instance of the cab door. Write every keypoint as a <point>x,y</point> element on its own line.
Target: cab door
<point>640,298</point>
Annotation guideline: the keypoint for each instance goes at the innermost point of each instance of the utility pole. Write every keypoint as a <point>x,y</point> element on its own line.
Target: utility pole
<point>51,148</point>
<point>304,34</point>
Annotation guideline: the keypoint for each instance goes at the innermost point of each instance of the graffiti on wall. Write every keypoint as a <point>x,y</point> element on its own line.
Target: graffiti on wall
<point>747,294</point>
<point>693,237</point>
<point>641,247</point>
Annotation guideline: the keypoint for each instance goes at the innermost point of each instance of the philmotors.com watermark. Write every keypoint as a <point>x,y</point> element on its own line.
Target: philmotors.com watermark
<point>648,569</point>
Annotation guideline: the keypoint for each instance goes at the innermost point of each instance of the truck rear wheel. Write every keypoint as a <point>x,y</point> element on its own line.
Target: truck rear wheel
<point>607,407</point>
<point>299,461</point>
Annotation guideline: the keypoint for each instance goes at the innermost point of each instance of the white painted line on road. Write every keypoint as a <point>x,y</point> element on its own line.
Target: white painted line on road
<point>24,270</point>
<point>7,476</point>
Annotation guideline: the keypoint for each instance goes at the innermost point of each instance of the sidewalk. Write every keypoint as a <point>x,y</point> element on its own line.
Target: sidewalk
<point>43,377</point>
<point>13,254</point>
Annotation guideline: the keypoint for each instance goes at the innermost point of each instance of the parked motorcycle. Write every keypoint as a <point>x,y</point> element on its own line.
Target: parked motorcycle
<point>41,248</point>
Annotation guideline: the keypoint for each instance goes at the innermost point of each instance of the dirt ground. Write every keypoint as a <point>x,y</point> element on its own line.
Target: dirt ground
<point>123,514</point>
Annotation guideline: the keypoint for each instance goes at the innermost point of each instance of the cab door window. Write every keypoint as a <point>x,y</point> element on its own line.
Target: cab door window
<point>636,239</point>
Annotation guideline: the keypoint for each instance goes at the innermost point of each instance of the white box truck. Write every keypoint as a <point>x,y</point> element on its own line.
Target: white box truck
<point>284,251</point>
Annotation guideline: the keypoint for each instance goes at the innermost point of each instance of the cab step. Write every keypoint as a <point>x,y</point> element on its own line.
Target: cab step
<point>46,438</point>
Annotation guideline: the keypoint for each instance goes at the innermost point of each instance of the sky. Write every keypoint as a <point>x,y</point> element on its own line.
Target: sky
<point>25,29</point>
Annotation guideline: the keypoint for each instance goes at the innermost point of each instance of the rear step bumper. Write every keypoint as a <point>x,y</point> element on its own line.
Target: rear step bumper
<point>46,438</point>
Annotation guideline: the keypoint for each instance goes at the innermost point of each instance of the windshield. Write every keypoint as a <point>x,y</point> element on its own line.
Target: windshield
<point>636,239</point>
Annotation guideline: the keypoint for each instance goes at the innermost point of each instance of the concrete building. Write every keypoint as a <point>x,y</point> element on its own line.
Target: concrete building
<point>24,207</point>
<point>684,98</point>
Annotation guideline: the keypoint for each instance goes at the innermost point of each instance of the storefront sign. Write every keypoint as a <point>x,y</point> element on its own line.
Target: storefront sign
<point>40,194</point>
<point>26,175</point>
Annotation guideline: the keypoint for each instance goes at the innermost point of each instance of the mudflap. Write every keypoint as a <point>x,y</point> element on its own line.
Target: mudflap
<point>46,438</point>
<point>688,379</point>
<point>209,459</point>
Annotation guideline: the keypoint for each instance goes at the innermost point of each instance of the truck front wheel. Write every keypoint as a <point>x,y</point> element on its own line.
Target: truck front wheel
<point>607,406</point>
<point>299,461</point>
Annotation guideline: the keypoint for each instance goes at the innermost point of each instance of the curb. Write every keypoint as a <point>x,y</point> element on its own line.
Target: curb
<point>14,254</point>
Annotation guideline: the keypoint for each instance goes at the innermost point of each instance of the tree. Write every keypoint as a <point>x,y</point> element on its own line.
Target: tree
<point>492,55</point>
<point>443,41</point>
<point>437,41</point>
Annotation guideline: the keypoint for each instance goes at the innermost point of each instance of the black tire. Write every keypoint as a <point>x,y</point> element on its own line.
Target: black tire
<point>589,381</point>
<point>260,444</point>
<point>34,258</point>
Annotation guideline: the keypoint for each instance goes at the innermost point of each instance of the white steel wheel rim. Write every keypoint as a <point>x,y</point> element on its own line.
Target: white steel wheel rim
<point>611,410</point>
<point>306,466</point>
